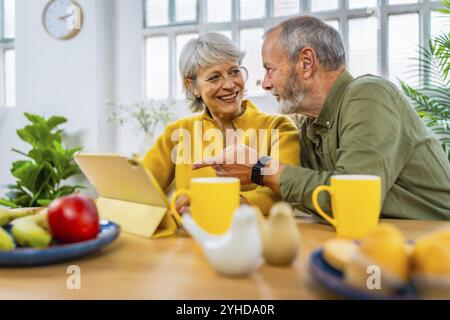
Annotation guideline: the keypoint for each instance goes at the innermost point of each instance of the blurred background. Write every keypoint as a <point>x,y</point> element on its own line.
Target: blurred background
<point>124,58</point>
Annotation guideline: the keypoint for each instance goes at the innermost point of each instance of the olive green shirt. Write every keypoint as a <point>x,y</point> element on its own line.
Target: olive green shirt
<point>367,126</point>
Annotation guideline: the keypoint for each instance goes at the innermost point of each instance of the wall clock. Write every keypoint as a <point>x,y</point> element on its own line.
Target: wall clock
<point>62,19</point>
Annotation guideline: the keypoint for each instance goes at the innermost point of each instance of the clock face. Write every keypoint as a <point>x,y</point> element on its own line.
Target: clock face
<point>62,18</point>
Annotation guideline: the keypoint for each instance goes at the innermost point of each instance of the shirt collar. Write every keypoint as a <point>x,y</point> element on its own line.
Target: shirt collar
<point>330,107</point>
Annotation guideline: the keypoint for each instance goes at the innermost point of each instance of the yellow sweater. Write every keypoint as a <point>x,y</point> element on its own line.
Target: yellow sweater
<point>169,160</point>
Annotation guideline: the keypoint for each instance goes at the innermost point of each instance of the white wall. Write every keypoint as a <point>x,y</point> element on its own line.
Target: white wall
<point>129,65</point>
<point>70,78</point>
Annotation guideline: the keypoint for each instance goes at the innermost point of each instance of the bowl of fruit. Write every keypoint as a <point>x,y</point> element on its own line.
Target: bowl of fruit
<point>68,229</point>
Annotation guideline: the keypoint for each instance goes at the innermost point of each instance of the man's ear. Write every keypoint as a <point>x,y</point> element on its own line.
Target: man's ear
<point>307,62</point>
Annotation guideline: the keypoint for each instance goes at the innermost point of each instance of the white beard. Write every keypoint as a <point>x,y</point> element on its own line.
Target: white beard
<point>295,95</point>
<point>292,105</point>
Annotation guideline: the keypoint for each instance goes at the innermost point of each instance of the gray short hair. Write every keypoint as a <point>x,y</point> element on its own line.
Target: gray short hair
<point>207,50</point>
<point>307,31</point>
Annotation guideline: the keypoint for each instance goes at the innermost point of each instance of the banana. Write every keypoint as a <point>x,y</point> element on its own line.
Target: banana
<point>8,215</point>
<point>6,241</point>
<point>32,231</point>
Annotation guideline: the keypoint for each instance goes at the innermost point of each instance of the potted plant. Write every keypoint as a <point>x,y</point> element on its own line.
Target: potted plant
<point>40,177</point>
<point>432,97</point>
<point>144,116</point>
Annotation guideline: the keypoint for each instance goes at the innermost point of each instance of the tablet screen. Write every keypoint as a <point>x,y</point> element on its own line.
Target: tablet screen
<point>117,177</point>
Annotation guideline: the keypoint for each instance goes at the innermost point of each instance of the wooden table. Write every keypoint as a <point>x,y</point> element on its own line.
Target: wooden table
<point>174,268</point>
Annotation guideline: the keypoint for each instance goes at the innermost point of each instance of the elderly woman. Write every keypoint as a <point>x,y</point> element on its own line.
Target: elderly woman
<point>214,83</point>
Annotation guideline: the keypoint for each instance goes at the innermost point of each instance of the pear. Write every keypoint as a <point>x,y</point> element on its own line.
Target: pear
<point>280,235</point>
<point>32,231</point>
<point>6,241</point>
<point>8,215</point>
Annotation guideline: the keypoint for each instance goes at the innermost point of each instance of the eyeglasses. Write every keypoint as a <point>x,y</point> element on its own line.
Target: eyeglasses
<point>238,73</point>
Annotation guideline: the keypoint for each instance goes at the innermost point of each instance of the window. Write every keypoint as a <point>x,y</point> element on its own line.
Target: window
<point>286,7</point>
<point>440,23</point>
<point>373,32</point>
<point>218,11</point>
<point>357,4</point>
<point>157,74</point>
<point>252,9</point>
<point>403,46</point>
<point>363,46</point>
<point>393,2</point>
<point>324,5</point>
<point>7,53</point>
<point>251,42</point>
<point>166,12</point>
<point>181,40</point>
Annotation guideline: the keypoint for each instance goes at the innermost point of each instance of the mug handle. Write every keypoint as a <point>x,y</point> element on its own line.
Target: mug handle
<point>173,208</point>
<point>316,205</point>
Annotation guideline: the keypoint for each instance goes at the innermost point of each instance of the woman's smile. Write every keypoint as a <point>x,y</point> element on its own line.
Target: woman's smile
<point>229,98</point>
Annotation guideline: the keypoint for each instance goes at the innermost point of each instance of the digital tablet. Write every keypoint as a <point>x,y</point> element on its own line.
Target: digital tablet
<point>117,177</point>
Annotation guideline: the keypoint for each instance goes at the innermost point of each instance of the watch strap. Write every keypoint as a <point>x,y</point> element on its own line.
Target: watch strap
<point>256,175</point>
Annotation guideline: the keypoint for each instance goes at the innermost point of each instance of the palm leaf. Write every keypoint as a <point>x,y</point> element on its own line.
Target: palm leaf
<point>431,96</point>
<point>446,7</point>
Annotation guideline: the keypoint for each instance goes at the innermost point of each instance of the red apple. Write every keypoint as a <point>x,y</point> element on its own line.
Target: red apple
<point>73,218</point>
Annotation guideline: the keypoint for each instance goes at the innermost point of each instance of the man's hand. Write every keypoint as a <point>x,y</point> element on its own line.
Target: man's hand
<point>234,161</point>
<point>237,161</point>
<point>272,180</point>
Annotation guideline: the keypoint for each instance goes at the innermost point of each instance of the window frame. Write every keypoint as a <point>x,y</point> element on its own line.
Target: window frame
<point>5,45</point>
<point>343,14</point>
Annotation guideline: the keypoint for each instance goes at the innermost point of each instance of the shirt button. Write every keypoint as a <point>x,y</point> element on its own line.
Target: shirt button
<point>328,123</point>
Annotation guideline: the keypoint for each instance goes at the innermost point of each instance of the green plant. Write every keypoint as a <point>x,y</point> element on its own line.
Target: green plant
<point>432,98</point>
<point>39,179</point>
<point>144,116</point>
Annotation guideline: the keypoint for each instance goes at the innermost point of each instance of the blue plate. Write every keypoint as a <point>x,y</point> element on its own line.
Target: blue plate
<point>333,280</point>
<point>27,257</point>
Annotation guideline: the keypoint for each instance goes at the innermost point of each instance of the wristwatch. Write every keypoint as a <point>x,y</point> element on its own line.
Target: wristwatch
<point>257,174</point>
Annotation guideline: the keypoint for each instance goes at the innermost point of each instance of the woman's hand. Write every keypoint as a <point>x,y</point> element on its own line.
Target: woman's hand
<point>242,200</point>
<point>182,204</point>
<point>237,161</point>
<point>234,161</point>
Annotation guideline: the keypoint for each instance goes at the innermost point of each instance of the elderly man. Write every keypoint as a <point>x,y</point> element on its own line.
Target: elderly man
<point>351,126</point>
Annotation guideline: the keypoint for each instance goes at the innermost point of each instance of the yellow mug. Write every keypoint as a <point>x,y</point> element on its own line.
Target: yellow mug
<point>213,202</point>
<point>355,202</point>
